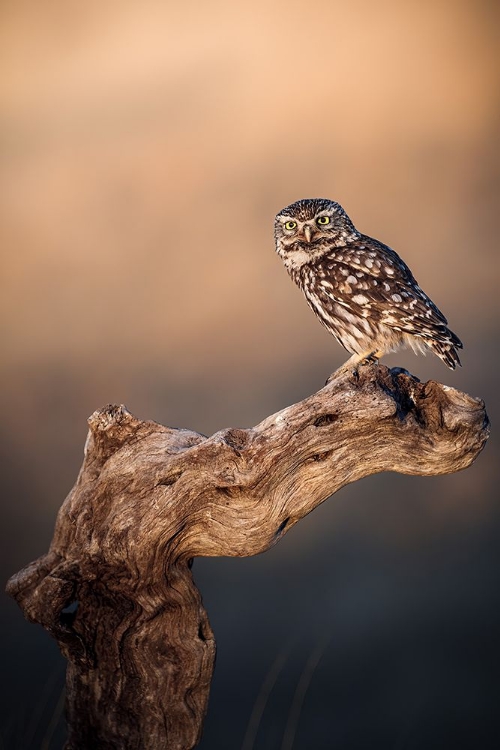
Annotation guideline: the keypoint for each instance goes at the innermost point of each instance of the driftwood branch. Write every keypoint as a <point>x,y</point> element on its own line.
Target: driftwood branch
<point>115,588</point>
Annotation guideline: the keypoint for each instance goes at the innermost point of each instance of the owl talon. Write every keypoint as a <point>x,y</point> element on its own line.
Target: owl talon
<point>348,368</point>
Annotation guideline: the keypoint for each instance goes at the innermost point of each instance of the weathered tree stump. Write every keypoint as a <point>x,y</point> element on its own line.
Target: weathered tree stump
<point>150,498</point>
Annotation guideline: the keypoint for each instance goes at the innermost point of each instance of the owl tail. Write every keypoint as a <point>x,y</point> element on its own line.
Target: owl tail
<point>447,349</point>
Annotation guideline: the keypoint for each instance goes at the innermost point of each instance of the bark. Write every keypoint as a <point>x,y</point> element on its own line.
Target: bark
<point>115,588</point>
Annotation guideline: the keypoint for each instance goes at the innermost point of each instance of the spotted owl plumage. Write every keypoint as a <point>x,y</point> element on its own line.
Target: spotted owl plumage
<point>359,288</point>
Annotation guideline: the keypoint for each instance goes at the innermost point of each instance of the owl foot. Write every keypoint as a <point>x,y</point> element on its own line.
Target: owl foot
<point>354,363</point>
<point>371,359</point>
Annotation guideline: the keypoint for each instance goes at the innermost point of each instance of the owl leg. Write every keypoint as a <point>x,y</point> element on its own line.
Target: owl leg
<point>373,356</point>
<point>367,357</point>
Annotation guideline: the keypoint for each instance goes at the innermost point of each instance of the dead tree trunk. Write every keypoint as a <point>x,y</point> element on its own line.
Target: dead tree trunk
<point>150,498</point>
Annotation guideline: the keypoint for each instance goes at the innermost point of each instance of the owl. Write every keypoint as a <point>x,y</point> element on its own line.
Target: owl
<point>360,289</point>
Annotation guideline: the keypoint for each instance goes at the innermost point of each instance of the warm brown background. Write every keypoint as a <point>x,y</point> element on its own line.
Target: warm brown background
<point>146,147</point>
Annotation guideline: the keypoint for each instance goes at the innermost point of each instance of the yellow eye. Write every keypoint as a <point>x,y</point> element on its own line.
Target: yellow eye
<point>322,220</point>
<point>290,225</point>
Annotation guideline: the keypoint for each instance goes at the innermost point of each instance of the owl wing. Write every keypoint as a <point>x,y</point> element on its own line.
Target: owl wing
<point>372,281</point>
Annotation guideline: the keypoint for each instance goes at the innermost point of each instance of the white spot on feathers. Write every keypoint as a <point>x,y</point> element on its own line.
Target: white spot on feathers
<point>360,299</point>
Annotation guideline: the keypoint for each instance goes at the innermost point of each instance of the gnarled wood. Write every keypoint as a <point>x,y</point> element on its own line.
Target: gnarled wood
<point>150,498</point>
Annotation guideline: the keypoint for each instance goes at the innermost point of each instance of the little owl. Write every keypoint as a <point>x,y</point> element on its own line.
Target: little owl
<point>360,289</point>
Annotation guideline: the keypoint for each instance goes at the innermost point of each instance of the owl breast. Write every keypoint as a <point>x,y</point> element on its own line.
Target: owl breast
<point>356,332</point>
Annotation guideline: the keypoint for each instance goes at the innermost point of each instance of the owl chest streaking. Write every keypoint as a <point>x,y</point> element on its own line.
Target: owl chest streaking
<point>360,289</point>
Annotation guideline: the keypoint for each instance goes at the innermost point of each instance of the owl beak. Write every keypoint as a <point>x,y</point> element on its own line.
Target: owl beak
<point>307,232</point>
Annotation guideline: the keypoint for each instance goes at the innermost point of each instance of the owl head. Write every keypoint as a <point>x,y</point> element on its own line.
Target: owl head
<point>305,229</point>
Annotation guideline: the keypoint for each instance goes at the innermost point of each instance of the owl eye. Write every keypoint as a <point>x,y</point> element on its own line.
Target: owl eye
<point>290,225</point>
<point>322,220</point>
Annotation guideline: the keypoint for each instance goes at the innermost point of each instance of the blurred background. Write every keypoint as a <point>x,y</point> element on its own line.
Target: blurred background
<point>145,149</point>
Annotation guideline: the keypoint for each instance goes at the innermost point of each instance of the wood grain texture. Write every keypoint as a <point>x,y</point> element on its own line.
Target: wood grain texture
<point>149,498</point>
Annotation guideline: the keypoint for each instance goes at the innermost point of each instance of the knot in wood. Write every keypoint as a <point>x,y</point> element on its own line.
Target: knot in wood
<point>236,439</point>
